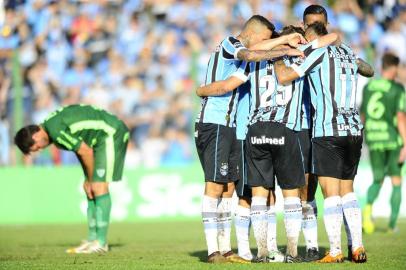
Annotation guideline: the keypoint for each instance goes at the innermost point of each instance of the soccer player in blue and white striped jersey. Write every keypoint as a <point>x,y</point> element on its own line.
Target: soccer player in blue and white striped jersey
<point>215,134</point>
<point>312,14</point>
<point>337,136</point>
<point>273,108</point>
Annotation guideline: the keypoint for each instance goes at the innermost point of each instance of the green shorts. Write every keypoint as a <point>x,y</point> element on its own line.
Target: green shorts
<point>385,162</point>
<point>109,156</point>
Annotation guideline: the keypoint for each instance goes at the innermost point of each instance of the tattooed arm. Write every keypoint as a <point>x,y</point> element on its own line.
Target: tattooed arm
<point>285,74</point>
<point>258,55</point>
<point>364,68</point>
<point>293,40</point>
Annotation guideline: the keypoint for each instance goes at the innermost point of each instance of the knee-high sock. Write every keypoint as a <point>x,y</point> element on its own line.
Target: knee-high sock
<point>373,191</point>
<point>353,217</point>
<point>91,219</point>
<point>260,224</point>
<point>242,230</point>
<point>271,237</point>
<point>293,223</point>
<point>209,217</point>
<point>333,219</point>
<point>309,224</point>
<point>395,200</point>
<point>347,232</point>
<point>224,224</point>
<point>103,209</point>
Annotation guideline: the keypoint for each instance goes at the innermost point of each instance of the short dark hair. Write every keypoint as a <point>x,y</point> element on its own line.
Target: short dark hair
<point>23,138</point>
<point>318,28</point>
<point>315,9</point>
<point>389,60</point>
<point>290,29</point>
<point>262,20</point>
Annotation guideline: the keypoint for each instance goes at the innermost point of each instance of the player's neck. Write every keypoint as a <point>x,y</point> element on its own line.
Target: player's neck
<point>388,76</point>
<point>244,39</point>
<point>45,134</point>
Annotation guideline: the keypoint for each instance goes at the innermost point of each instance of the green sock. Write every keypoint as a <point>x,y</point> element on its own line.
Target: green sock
<point>395,200</point>
<point>103,208</point>
<point>91,219</point>
<point>373,192</point>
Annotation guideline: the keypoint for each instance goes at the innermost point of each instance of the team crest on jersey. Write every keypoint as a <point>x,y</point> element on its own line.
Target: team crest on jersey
<point>224,169</point>
<point>100,172</point>
<point>196,133</point>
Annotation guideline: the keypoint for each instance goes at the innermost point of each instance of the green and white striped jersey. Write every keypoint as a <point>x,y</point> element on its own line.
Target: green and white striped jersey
<point>69,126</point>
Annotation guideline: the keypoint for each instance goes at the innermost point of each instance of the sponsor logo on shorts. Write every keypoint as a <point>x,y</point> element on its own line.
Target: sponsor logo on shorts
<point>268,140</point>
<point>100,172</point>
<point>224,169</point>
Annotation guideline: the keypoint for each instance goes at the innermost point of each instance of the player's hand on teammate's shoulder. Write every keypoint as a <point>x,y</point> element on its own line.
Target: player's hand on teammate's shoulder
<point>295,39</point>
<point>295,52</point>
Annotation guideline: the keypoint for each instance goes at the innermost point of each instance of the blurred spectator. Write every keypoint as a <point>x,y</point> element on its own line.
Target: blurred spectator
<point>393,40</point>
<point>141,60</point>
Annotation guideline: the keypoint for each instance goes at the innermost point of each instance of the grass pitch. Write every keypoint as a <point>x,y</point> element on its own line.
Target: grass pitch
<point>167,245</point>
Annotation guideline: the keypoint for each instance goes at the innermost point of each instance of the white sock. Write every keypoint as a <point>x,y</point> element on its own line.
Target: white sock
<point>333,219</point>
<point>260,224</point>
<point>309,224</point>
<point>347,232</point>
<point>209,217</point>
<point>293,223</point>
<point>271,237</point>
<point>352,213</point>
<point>224,224</point>
<point>242,230</point>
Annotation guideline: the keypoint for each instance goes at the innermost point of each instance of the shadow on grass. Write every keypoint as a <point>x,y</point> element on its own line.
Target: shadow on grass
<point>73,244</point>
<point>202,254</point>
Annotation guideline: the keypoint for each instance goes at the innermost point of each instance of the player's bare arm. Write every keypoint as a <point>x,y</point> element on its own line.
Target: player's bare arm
<point>219,88</point>
<point>401,116</point>
<point>364,68</point>
<point>326,40</point>
<point>258,55</point>
<point>293,40</point>
<point>85,155</point>
<point>285,74</point>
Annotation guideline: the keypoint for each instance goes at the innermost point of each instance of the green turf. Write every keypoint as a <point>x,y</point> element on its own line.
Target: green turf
<point>165,245</point>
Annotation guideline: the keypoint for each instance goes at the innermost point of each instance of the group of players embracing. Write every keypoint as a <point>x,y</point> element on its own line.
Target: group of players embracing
<point>280,108</point>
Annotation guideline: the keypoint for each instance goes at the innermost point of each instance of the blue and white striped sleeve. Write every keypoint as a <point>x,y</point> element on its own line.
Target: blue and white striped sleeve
<point>311,61</point>
<point>231,46</point>
<point>309,47</point>
<point>243,72</point>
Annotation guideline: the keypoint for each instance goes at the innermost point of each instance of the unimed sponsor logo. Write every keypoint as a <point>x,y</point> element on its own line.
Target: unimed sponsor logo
<point>268,140</point>
<point>343,127</point>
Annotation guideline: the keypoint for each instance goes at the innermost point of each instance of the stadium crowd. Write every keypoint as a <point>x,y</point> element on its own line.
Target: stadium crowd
<point>142,60</point>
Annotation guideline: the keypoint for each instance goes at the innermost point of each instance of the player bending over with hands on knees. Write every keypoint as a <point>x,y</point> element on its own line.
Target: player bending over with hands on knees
<point>99,140</point>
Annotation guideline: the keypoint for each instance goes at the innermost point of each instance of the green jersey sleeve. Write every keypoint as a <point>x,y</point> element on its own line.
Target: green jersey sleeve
<point>60,134</point>
<point>69,141</point>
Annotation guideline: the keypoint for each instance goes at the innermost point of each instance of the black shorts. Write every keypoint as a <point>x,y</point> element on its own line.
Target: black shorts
<point>336,157</point>
<point>241,186</point>
<point>305,138</point>
<point>219,152</point>
<point>273,149</point>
